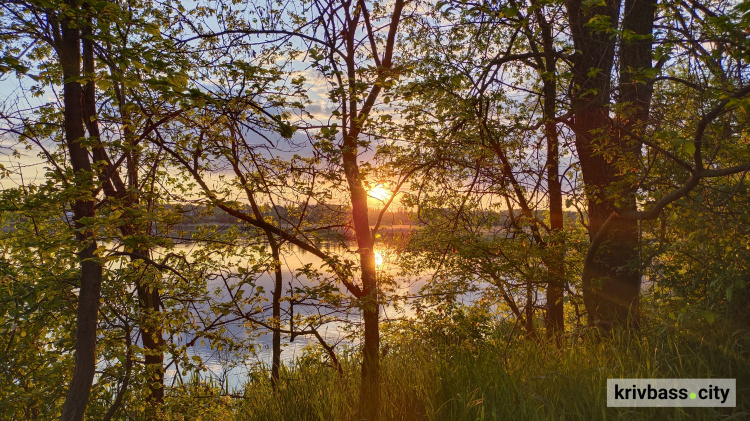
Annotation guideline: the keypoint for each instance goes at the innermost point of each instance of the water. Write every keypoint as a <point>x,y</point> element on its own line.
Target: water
<point>230,368</point>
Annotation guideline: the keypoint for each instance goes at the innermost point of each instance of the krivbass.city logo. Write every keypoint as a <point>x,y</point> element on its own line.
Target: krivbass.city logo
<point>671,392</point>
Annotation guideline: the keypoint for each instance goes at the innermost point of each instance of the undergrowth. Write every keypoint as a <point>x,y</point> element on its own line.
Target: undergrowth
<point>495,375</point>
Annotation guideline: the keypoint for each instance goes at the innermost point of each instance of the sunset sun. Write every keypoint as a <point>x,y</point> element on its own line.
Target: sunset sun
<point>380,193</point>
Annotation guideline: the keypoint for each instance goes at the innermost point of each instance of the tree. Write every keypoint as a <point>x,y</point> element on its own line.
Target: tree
<point>337,37</point>
<point>66,41</point>
<point>483,136</point>
<point>61,42</point>
<point>611,132</point>
<point>609,113</point>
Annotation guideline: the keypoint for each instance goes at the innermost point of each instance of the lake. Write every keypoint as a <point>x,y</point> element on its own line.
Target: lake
<point>223,365</point>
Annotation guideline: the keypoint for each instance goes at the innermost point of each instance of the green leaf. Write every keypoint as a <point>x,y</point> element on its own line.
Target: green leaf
<point>8,62</point>
<point>152,29</point>
<point>103,84</point>
<point>286,130</point>
<point>651,73</point>
<point>689,148</point>
<point>709,316</point>
<point>593,72</point>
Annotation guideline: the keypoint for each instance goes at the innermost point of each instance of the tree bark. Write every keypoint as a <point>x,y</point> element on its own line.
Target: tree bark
<point>91,269</point>
<point>611,278</point>
<point>370,394</point>
<point>276,309</point>
<point>592,67</point>
<point>153,344</point>
<point>556,284</point>
<point>275,244</point>
<point>148,294</point>
<point>556,262</point>
<point>369,298</point>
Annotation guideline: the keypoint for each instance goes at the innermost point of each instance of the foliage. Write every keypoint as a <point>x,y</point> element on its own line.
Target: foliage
<point>37,313</point>
<point>699,253</point>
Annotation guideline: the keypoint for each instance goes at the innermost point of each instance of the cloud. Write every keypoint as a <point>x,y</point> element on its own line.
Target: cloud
<point>314,109</point>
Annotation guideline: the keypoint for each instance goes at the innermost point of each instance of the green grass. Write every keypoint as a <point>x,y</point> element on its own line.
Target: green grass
<point>500,379</point>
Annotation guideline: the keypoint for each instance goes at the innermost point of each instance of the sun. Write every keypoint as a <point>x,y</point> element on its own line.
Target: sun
<point>380,193</point>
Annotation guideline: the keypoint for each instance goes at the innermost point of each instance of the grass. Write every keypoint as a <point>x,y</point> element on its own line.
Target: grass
<point>500,379</point>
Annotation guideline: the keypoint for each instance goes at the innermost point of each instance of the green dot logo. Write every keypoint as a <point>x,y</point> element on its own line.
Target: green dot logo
<point>692,395</point>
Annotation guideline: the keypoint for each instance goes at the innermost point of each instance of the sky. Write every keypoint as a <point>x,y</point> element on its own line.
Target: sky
<point>29,168</point>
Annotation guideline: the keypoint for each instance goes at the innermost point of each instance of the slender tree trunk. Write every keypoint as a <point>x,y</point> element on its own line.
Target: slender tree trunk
<point>369,399</point>
<point>149,295</point>
<point>276,309</point>
<point>556,284</point>
<point>278,288</point>
<point>370,394</point>
<point>529,311</point>
<point>91,269</point>
<point>153,345</point>
<point>113,187</point>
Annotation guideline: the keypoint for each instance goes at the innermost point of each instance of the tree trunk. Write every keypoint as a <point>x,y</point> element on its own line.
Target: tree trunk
<point>113,187</point>
<point>529,311</point>
<point>370,394</point>
<point>276,308</point>
<point>278,288</point>
<point>369,399</point>
<point>91,269</point>
<point>611,278</point>
<point>153,345</point>
<point>555,262</point>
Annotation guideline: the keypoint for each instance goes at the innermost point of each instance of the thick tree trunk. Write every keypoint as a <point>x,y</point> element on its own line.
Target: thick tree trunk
<point>611,277</point>
<point>91,269</point>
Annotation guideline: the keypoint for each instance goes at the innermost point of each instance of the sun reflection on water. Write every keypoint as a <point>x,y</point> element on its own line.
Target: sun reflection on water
<point>379,259</point>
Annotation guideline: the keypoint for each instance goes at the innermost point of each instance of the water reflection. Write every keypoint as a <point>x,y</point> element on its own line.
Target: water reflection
<point>379,259</point>
<point>231,367</point>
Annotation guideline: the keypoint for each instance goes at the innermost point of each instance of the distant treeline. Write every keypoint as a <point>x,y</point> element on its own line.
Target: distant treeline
<point>339,215</point>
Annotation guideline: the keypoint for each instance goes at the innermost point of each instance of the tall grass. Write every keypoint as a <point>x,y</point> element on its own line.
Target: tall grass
<point>507,378</point>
